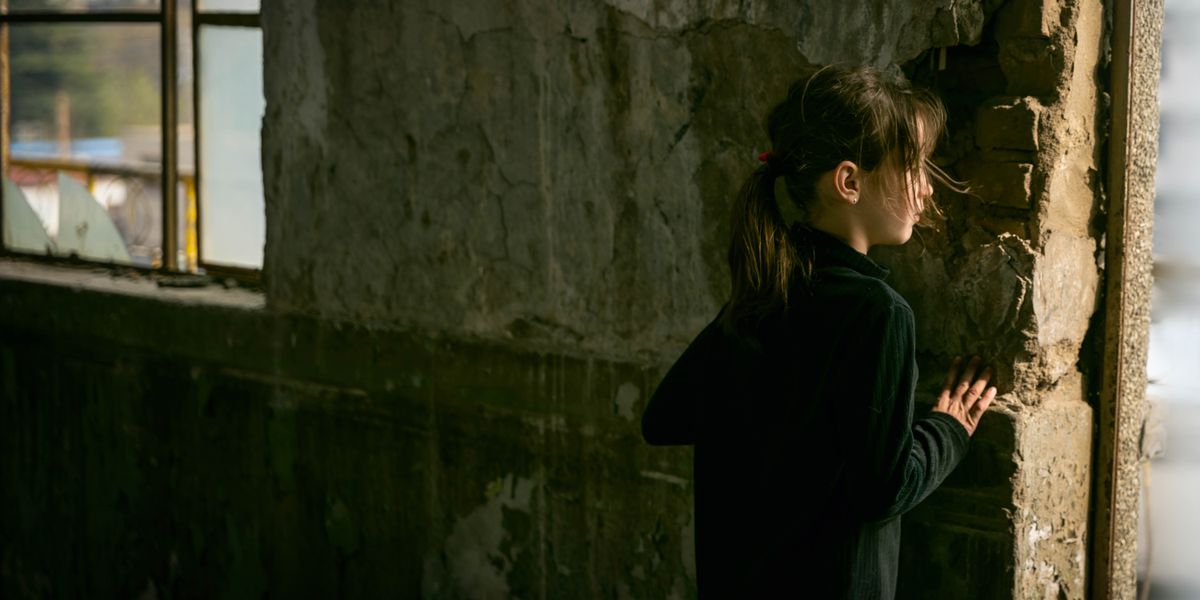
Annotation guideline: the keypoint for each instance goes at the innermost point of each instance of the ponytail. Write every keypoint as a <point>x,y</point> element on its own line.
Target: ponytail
<point>763,260</point>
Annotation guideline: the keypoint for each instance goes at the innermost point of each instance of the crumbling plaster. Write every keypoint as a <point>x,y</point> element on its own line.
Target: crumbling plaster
<point>490,226</point>
<point>557,175</point>
<point>1022,263</point>
<point>554,173</point>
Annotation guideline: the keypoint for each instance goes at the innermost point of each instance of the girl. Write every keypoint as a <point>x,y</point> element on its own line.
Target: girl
<point>798,397</point>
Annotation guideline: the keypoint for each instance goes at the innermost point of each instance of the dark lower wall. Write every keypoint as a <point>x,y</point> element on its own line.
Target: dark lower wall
<point>202,450</point>
<point>206,451</point>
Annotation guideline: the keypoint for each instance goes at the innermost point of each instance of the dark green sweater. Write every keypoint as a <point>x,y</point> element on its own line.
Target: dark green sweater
<point>806,450</point>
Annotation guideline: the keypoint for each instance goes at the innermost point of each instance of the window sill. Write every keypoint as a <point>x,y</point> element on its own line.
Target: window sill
<point>100,279</point>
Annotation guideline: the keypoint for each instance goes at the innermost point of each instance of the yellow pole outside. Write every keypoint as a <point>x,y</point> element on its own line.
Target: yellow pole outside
<point>193,250</point>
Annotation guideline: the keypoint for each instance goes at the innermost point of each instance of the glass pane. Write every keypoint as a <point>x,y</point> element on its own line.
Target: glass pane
<point>85,142</point>
<point>82,5</point>
<point>251,6</point>
<point>231,103</point>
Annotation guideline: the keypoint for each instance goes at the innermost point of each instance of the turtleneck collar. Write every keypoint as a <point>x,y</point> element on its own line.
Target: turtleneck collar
<point>830,250</point>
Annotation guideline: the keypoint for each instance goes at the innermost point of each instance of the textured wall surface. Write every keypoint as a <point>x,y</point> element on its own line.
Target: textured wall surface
<point>1016,275</point>
<point>555,172</point>
<point>491,226</point>
<point>216,449</point>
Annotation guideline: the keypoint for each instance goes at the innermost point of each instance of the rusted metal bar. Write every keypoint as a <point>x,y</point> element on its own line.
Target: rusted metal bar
<point>197,161</point>
<point>4,114</point>
<point>81,17</point>
<point>170,138</point>
<point>226,19</point>
<point>1103,524</point>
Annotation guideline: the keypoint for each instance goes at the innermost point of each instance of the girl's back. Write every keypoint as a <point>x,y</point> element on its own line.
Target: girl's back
<point>782,425</point>
<point>799,396</point>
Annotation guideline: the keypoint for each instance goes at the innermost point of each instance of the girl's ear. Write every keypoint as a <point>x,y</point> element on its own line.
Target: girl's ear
<point>847,181</point>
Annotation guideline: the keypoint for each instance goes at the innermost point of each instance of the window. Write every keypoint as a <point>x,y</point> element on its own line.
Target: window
<point>102,161</point>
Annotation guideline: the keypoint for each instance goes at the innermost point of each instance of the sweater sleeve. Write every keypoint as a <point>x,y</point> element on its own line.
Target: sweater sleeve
<point>903,461</point>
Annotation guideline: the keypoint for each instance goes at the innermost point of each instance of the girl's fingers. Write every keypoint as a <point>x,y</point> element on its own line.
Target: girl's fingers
<point>968,376</point>
<point>976,391</point>
<point>976,411</point>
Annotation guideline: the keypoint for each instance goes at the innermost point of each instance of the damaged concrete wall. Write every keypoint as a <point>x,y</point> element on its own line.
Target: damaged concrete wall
<point>555,172</point>
<point>490,229</point>
<point>195,445</point>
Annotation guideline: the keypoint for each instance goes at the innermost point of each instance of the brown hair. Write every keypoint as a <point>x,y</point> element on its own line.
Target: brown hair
<point>839,113</point>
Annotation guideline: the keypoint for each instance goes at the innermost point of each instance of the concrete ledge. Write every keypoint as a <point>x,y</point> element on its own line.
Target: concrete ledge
<point>101,280</point>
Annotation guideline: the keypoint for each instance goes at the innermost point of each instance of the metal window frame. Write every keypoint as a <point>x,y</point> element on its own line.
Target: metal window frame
<point>166,17</point>
<point>201,18</point>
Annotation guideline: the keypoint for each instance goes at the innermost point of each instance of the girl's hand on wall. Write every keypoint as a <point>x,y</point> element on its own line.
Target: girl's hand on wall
<point>965,396</point>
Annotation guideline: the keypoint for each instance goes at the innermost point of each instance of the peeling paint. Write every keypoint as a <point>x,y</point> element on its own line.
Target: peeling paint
<point>627,395</point>
<point>474,556</point>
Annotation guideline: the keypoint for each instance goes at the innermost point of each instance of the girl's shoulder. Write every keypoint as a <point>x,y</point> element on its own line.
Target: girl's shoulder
<point>840,283</point>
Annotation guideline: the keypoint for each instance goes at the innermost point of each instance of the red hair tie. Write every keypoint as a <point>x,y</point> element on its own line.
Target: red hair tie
<point>764,155</point>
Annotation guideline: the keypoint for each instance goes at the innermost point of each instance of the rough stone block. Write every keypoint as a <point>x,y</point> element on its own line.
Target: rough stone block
<point>1027,18</point>
<point>1064,293</point>
<point>977,304</point>
<point>999,183</point>
<point>1054,442</point>
<point>1032,66</point>
<point>1008,123</point>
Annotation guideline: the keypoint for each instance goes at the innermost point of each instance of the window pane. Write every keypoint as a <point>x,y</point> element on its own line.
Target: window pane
<point>232,219</point>
<point>85,140</point>
<point>228,5</point>
<point>81,5</point>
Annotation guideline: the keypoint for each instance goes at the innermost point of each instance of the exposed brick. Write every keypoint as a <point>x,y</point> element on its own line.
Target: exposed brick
<point>1008,124</point>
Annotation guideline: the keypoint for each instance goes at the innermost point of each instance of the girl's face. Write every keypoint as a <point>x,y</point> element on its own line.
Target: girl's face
<point>895,204</point>
<point>899,199</point>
